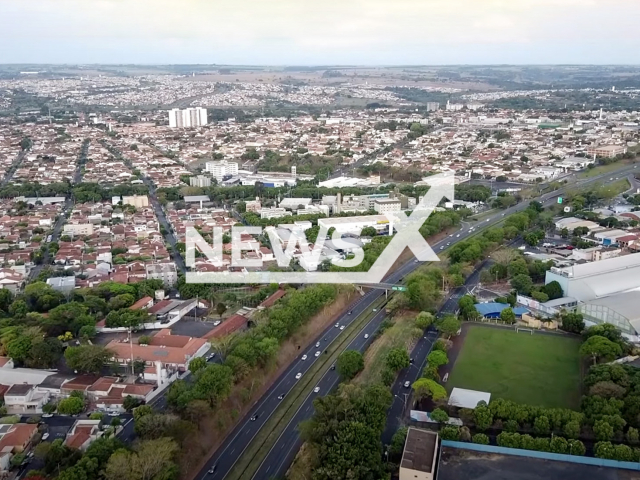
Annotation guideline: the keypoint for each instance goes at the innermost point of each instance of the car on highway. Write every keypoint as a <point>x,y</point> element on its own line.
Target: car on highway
<point>337,325</point>
<point>212,469</point>
<point>448,244</point>
<point>488,219</point>
<point>350,312</point>
<point>254,418</point>
<point>304,357</point>
<point>458,236</point>
<point>342,327</point>
<point>317,344</point>
<point>316,390</point>
<point>366,335</point>
<point>318,353</point>
<point>442,248</point>
<point>298,376</point>
<point>333,367</point>
<point>281,396</point>
<point>407,384</point>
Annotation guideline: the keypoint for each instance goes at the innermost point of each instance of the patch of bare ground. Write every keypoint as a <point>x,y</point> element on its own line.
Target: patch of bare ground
<point>215,428</point>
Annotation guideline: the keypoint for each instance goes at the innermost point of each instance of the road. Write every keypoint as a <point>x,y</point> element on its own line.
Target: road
<point>12,169</point>
<point>284,450</point>
<point>66,208</point>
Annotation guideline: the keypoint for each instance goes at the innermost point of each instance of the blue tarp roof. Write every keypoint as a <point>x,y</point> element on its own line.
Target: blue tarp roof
<point>494,309</point>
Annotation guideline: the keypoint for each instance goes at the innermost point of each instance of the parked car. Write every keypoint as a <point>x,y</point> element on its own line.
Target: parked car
<point>45,435</point>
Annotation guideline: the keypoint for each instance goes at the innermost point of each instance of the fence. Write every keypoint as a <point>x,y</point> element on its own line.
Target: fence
<point>598,462</point>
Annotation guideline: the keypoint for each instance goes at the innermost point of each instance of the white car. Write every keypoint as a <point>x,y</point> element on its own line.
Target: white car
<point>375,310</point>
<point>317,344</point>
<point>407,384</point>
<point>458,236</point>
<point>216,323</point>
<point>45,436</point>
<point>318,353</point>
<point>114,414</point>
<point>342,327</point>
<point>442,248</point>
<point>316,390</point>
<point>298,376</point>
<point>304,357</point>
<point>366,335</point>
<point>337,325</point>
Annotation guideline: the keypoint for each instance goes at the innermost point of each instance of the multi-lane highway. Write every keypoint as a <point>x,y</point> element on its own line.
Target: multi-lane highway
<point>283,451</point>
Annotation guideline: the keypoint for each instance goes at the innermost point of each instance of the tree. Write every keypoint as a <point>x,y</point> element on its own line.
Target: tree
<point>541,425</point>
<point>449,325</point>
<point>482,416</point>
<point>397,441</point>
<point>480,438</point>
<point>349,364</point>
<point>197,364</point>
<point>572,429</point>
<point>522,284</point>
<point>397,359</point>
<point>424,387</point>
<point>508,316</point>
<point>141,411</point>
<point>129,403</point>
<point>437,358</point>
<point>424,320</point>
<point>450,432</point>
<point>559,445</point>
<point>87,358</point>
<point>603,431</point>
<point>600,347</point>
<point>220,309</point>
<point>604,449</point>
<point>70,406</point>
<point>439,415</point>
<point>213,383</point>
<point>44,353</point>
<point>576,447</point>
<point>632,436</point>
<point>6,298</point>
<point>607,389</point>
<point>553,290</point>
<point>572,322</point>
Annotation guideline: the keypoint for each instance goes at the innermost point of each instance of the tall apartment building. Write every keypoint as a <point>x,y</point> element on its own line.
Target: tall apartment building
<point>432,106</point>
<point>187,118</point>
<point>219,169</point>
<point>200,181</point>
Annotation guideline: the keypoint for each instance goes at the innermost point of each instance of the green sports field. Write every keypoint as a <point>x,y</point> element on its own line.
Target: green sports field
<point>533,369</point>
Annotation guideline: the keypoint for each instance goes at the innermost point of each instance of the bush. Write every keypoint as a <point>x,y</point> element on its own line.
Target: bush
<point>10,420</point>
<point>480,438</point>
<point>144,340</point>
<point>439,415</point>
<point>465,434</point>
<point>576,447</point>
<point>450,433</point>
<point>70,406</point>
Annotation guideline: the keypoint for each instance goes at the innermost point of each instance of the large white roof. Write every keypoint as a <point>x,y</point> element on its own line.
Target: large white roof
<point>463,398</point>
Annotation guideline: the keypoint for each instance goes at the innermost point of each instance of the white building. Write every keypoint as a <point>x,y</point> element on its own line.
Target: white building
<point>187,118</point>
<point>273,212</point>
<point>163,271</point>
<point>200,181</point>
<point>355,224</point>
<point>222,168</point>
<point>387,205</point>
<point>75,229</point>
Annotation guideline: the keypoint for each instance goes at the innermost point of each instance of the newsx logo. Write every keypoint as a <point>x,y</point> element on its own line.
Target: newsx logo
<point>408,235</point>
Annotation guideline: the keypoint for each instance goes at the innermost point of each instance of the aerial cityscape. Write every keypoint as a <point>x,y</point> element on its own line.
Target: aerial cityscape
<point>142,154</point>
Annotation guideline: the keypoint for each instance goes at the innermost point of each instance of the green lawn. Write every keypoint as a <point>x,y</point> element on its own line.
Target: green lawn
<point>533,369</point>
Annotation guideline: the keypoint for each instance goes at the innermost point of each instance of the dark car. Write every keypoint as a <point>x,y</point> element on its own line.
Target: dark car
<point>281,396</point>
<point>254,418</point>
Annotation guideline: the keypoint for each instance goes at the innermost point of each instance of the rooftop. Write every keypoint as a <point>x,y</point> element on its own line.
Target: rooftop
<point>419,450</point>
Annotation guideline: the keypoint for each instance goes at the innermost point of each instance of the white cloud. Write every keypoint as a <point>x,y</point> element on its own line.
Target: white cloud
<point>311,31</point>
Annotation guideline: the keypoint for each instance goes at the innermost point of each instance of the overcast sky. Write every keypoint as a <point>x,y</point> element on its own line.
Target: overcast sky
<point>312,32</point>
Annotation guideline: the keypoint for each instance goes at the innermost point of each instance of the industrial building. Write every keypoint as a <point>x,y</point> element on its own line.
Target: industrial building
<point>419,456</point>
<point>622,310</point>
<point>595,280</point>
<point>355,224</point>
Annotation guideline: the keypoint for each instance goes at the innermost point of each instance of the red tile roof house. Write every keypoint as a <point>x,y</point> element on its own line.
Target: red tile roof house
<point>14,439</point>
<point>83,433</point>
<point>172,352</point>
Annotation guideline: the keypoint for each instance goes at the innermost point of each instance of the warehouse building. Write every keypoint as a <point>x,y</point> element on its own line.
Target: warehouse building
<point>622,310</point>
<point>591,281</point>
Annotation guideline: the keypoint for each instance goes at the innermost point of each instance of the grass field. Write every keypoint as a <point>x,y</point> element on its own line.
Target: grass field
<point>533,369</point>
